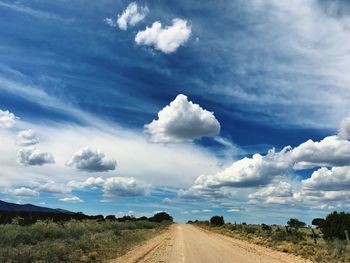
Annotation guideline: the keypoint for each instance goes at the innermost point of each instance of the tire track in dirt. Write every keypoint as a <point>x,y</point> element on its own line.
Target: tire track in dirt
<point>190,244</point>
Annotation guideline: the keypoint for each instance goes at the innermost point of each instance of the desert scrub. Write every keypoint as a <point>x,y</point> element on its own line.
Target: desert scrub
<point>72,241</point>
<point>299,242</point>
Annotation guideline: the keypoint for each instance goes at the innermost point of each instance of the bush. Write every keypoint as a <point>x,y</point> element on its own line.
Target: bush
<point>266,227</point>
<point>249,229</point>
<point>217,220</point>
<point>335,224</point>
<point>295,223</point>
<point>293,236</point>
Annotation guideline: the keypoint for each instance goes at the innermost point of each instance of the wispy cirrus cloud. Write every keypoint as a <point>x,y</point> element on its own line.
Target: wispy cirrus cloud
<point>26,9</point>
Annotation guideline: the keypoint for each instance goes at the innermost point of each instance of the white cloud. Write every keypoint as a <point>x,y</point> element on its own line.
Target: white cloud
<point>27,138</point>
<point>132,15</point>
<point>331,151</point>
<point>344,131</point>
<point>322,199</point>
<point>266,170</point>
<point>91,160</point>
<point>157,164</point>
<point>279,192</point>
<point>52,187</point>
<point>24,192</point>
<point>324,179</point>
<point>34,157</point>
<point>167,39</point>
<point>7,119</point>
<point>91,182</point>
<point>110,22</point>
<point>72,199</point>
<point>123,186</point>
<point>247,172</point>
<point>181,121</point>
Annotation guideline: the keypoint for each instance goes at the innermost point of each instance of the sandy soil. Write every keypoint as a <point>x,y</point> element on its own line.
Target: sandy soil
<point>190,244</point>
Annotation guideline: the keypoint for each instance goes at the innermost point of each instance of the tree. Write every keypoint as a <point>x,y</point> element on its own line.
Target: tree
<point>317,222</point>
<point>335,224</point>
<point>160,217</point>
<point>217,220</point>
<point>295,223</point>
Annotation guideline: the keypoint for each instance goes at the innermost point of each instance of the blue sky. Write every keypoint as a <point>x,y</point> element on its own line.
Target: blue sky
<point>120,107</point>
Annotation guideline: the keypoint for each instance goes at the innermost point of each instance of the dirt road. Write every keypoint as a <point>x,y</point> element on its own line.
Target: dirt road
<point>190,244</point>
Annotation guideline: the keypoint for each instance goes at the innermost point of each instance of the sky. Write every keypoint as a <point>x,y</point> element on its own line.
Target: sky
<point>236,108</point>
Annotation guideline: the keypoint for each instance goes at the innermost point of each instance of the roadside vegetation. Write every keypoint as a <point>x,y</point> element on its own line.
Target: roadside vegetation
<point>28,239</point>
<point>325,242</point>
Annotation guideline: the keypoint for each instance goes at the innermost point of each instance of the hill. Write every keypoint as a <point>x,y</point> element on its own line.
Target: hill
<point>11,207</point>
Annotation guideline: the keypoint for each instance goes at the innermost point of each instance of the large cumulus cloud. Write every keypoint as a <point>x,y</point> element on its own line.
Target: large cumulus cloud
<point>331,151</point>
<point>182,120</point>
<point>271,178</point>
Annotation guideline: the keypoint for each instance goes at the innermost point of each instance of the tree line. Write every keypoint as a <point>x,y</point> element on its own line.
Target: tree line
<point>29,218</point>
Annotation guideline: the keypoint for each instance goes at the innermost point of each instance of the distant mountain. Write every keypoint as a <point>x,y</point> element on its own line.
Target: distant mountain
<point>11,207</point>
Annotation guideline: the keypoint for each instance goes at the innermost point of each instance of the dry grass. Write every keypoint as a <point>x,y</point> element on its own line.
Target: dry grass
<point>73,241</point>
<point>298,242</point>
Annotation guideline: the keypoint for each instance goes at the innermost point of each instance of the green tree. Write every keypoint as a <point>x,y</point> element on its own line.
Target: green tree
<point>317,222</point>
<point>162,216</point>
<point>335,224</point>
